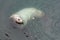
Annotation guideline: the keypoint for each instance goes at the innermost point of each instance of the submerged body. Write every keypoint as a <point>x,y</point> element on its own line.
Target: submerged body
<point>21,17</point>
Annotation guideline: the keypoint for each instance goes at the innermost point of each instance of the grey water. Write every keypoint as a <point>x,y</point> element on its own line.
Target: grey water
<point>46,28</point>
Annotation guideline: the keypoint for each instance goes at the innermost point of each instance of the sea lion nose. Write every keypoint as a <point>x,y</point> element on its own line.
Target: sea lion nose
<point>19,21</point>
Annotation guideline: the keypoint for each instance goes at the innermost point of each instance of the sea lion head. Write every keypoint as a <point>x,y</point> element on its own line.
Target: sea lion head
<point>17,19</point>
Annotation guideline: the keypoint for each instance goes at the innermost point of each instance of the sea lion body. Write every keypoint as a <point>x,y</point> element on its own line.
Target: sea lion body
<point>26,15</point>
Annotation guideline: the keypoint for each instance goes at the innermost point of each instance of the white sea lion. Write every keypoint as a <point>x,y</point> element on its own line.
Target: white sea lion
<point>20,18</point>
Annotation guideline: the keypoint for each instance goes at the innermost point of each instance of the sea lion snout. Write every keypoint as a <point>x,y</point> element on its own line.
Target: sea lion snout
<point>17,19</point>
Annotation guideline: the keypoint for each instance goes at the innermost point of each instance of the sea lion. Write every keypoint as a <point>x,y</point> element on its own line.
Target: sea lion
<point>20,18</point>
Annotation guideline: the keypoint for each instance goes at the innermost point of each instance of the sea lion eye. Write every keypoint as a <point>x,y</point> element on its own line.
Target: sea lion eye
<point>18,19</point>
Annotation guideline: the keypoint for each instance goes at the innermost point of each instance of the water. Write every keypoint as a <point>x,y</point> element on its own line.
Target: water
<point>46,28</point>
